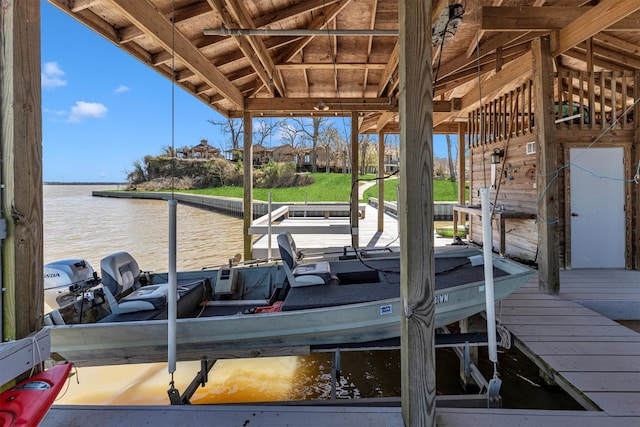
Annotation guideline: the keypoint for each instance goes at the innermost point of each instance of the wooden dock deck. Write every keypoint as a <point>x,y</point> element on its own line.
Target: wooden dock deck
<point>596,360</point>
<point>593,358</point>
<point>368,235</point>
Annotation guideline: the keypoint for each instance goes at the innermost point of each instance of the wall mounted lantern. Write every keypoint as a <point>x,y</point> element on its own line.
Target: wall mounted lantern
<point>496,156</point>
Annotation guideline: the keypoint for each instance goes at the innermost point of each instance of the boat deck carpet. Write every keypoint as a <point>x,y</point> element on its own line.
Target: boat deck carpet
<point>379,279</point>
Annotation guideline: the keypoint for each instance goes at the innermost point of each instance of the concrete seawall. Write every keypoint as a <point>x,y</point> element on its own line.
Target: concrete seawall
<point>443,211</point>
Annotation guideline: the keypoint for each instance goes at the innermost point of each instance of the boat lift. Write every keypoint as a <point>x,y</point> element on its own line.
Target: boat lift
<point>461,343</point>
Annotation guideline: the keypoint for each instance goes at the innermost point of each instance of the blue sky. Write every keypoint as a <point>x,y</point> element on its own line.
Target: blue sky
<point>102,109</point>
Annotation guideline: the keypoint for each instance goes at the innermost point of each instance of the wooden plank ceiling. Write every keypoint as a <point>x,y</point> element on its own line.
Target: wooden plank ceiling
<point>295,73</point>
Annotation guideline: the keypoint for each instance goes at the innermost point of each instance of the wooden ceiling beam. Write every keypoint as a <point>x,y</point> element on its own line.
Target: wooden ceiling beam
<point>286,105</point>
<point>480,34</point>
<point>131,32</point>
<point>614,42</point>
<point>300,8</point>
<point>319,21</point>
<point>594,20</point>
<point>488,47</point>
<point>330,66</point>
<point>515,70</point>
<point>625,60</point>
<point>146,17</point>
<point>244,44</point>
<point>487,64</point>
<point>372,25</point>
<point>243,17</point>
<point>389,70</point>
<point>78,5</point>
<point>552,18</point>
<point>384,118</point>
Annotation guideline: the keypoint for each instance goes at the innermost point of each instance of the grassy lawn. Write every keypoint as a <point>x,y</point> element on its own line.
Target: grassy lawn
<point>330,187</point>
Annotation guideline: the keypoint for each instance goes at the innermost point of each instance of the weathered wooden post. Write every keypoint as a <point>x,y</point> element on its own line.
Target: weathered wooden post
<point>417,276</point>
<point>354,179</point>
<point>548,250</point>
<point>381,158</point>
<point>21,136</point>
<point>247,158</point>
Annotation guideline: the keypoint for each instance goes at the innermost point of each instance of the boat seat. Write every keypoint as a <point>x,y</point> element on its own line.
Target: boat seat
<point>298,275</point>
<point>120,273</point>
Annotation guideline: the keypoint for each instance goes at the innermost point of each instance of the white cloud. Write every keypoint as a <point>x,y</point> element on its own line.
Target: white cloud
<point>51,75</point>
<point>121,89</point>
<point>87,109</point>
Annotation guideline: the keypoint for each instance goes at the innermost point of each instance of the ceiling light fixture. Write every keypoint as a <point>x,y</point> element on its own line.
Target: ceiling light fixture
<point>321,106</point>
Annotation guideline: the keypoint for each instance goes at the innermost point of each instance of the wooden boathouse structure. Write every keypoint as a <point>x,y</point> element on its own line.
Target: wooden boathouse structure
<point>533,89</point>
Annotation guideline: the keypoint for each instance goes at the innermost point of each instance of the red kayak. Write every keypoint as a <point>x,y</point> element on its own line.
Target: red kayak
<point>27,403</point>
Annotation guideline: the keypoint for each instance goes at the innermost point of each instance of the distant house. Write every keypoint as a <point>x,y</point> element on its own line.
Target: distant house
<point>202,151</point>
<point>284,153</point>
<point>261,154</point>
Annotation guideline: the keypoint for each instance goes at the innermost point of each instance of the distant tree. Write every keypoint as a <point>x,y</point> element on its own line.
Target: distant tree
<point>232,128</point>
<point>311,130</point>
<point>364,144</point>
<point>264,130</point>
<point>330,140</point>
<point>452,169</point>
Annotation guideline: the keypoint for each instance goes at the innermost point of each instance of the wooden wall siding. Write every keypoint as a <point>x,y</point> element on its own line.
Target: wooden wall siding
<point>599,99</point>
<point>517,191</point>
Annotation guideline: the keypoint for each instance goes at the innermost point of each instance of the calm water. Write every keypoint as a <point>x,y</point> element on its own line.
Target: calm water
<point>77,225</point>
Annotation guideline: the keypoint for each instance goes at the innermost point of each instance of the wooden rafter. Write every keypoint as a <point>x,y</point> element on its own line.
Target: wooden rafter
<point>318,22</point>
<point>247,48</point>
<point>146,17</point>
<point>547,19</point>
<point>480,34</point>
<point>594,20</point>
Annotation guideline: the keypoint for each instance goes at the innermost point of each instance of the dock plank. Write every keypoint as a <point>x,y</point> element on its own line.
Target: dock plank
<point>585,347</point>
<point>606,381</point>
<point>595,359</point>
<point>540,320</point>
<point>594,363</point>
<point>570,331</point>
<point>618,404</point>
<point>312,416</point>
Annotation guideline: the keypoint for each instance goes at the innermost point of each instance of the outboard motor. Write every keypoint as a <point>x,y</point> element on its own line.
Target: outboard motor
<point>66,280</point>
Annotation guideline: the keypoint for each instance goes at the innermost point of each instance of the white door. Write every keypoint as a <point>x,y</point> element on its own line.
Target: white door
<point>597,208</point>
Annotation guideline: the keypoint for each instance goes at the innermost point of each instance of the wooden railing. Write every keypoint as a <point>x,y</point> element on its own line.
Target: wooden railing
<point>582,100</point>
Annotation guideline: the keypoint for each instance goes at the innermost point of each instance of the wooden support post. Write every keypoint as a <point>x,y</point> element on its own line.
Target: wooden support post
<point>417,277</point>
<point>21,169</point>
<point>546,154</point>
<point>635,192</point>
<point>462,198</point>
<point>354,178</point>
<point>247,158</point>
<point>381,158</point>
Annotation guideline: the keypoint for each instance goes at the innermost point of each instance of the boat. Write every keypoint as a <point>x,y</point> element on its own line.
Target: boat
<point>27,403</point>
<point>268,309</point>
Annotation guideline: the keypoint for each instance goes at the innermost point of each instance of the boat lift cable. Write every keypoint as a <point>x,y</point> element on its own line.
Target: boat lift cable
<point>172,296</point>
